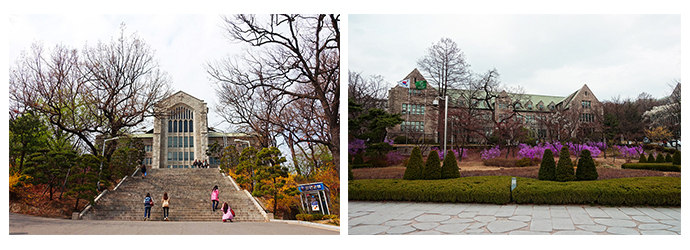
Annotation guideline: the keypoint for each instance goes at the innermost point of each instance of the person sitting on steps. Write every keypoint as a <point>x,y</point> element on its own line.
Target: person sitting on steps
<point>228,213</point>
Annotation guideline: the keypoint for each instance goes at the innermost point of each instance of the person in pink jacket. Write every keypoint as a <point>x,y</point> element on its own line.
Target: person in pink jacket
<point>214,198</point>
<point>227,213</point>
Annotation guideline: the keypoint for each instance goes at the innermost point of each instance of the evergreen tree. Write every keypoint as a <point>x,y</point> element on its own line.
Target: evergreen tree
<point>660,158</point>
<point>450,167</point>
<point>676,158</point>
<point>564,168</point>
<point>547,168</point>
<point>669,158</point>
<point>432,168</point>
<point>586,169</point>
<point>271,176</point>
<point>651,158</point>
<point>358,159</point>
<point>83,179</point>
<point>642,159</point>
<point>413,168</point>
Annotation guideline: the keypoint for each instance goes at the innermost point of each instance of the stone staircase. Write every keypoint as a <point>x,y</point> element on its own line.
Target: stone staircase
<point>189,190</point>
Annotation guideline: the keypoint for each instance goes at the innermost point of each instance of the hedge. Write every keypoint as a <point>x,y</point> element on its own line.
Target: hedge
<point>480,189</point>
<point>313,217</point>
<point>354,166</point>
<point>654,191</point>
<point>666,167</point>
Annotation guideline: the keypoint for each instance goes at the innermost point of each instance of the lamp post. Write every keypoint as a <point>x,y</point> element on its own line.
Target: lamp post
<point>225,138</point>
<point>445,121</point>
<point>98,185</point>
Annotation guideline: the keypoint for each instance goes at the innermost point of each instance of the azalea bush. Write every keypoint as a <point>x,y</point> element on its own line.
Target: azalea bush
<point>535,153</point>
<point>629,152</point>
<point>491,153</point>
<point>457,151</point>
<point>394,158</point>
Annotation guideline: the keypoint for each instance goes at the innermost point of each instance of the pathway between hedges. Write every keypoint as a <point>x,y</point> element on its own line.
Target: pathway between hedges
<point>393,218</point>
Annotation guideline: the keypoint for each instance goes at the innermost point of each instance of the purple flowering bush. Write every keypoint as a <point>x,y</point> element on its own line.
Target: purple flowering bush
<point>629,153</point>
<point>491,153</point>
<point>457,151</point>
<point>536,152</point>
<point>356,146</point>
<point>394,158</point>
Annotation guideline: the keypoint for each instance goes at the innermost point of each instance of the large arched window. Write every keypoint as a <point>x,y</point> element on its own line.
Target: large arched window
<point>180,136</point>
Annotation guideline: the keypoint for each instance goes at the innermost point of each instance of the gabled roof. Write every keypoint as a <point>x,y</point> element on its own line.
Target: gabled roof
<point>414,76</point>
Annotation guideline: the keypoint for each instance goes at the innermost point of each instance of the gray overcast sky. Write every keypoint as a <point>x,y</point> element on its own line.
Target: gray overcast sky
<point>545,54</point>
<point>182,43</point>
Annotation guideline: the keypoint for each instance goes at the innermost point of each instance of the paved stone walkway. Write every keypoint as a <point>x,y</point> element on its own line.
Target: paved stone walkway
<point>394,218</point>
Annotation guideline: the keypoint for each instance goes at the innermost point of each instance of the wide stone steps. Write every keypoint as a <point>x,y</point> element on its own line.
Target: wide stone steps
<point>190,197</point>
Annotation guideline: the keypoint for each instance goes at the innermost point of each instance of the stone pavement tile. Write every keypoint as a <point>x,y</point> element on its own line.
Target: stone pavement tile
<point>615,223</point>
<point>580,219</point>
<point>372,219</point>
<point>475,207</point>
<point>485,219</point>
<point>432,218</point>
<point>505,211</point>
<point>644,219</point>
<point>457,221</point>
<point>541,207</point>
<point>400,230</point>
<point>675,229</point>
<point>541,214</point>
<point>541,225</point>
<point>430,232</point>
<point>356,214</point>
<point>364,206</point>
<point>441,208</point>
<point>523,218</point>
<point>455,209</point>
<point>559,213</point>
<point>670,222</point>
<point>658,232</point>
<point>367,230</point>
<point>426,226</point>
<point>394,207</point>
<point>452,228</point>
<point>577,232</point>
<point>467,214</point>
<point>523,209</point>
<point>489,210</point>
<point>477,225</point>
<point>631,211</point>
<point>562,224</point>
<point>654,214</point>
<point>593,228</point>
<point>425,206</point>
<point>614,213</point>
<point>595,212</point>
<point>670,212</point>
<point>576,210</point>
<point>474,231</point>
<point>622,230</point>
<point>653,226</point>
<point>395,223</point>
<point>527,233</point>
<point>504,226</point>
<point>407,216</point>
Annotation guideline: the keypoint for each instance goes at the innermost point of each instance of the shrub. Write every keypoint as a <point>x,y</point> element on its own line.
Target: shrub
<point>669,158</point>
<point>432,168</point>
<point>401,139</point>
<point>450,167</point>
<point>586,170</point>
<point>350,176</point>
<point>660,158</point>
<point>313,217</point>
<point>378,162</point>
<point>358,159</point>
<point>676,158</point>
<point>547,168</point>
<point>394,158</point>
<point>524,162</point>
<point>652,166</point>
<point>500,162</point>
<point>413,168</point>
<point>642,159</point>
<point>564,168</point>
<point>363,165</point>
<point>651,158</point>
<point>491,153</point>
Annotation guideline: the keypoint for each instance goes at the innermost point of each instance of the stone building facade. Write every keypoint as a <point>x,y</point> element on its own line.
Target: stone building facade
<point>181,135</point>
<point>422,115</point>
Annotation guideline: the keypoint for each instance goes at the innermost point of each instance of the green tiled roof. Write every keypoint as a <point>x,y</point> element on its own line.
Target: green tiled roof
<point>535,99</point>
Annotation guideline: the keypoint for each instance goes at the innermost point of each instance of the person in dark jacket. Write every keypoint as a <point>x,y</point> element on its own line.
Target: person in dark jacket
<point>148,203</point>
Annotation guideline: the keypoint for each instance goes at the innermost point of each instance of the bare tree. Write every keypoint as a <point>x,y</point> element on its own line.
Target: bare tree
<point>299,60</point>
<point>445,65</point>
<point>369,91</point>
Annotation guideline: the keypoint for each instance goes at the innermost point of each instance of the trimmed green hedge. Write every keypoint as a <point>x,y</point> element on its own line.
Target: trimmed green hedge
<point>654,191</point>
<point>365,165</point>
<point>480,189</point>
<point>667,167</point>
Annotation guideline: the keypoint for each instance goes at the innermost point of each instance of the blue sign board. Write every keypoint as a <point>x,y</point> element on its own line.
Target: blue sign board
<point>318,186</point>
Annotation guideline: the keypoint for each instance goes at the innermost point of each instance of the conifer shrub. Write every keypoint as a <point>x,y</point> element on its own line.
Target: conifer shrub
<point>432,168</point>
<point>547,168</point>
<point>660,158</point>
<point>665,167</point>
<point>450,167</point>
<point>586,169</point>
<point>642,159</point>
<point>651,158</point>
<point>669,158</point>
<point>358,159</point>
<point>350,176</point>
<point>676,158</point>
<point>414,165</point>
<point>564,169</point>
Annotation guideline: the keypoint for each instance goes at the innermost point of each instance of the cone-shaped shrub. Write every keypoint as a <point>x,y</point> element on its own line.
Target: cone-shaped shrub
<point>413,169</point>
<point>669,158</point>
<point>564,168</point>
<point>676,158</point>
<point>450,167</point>
<point>432,168</point>
<point>642,159</point>
<point>651,158</point>
<point>350,176</point>
<point>547,168</point>
<point>660,158</point>
<point>586,170</point>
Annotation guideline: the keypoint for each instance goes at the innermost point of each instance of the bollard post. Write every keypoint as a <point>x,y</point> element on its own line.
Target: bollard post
<point>513,184</point>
